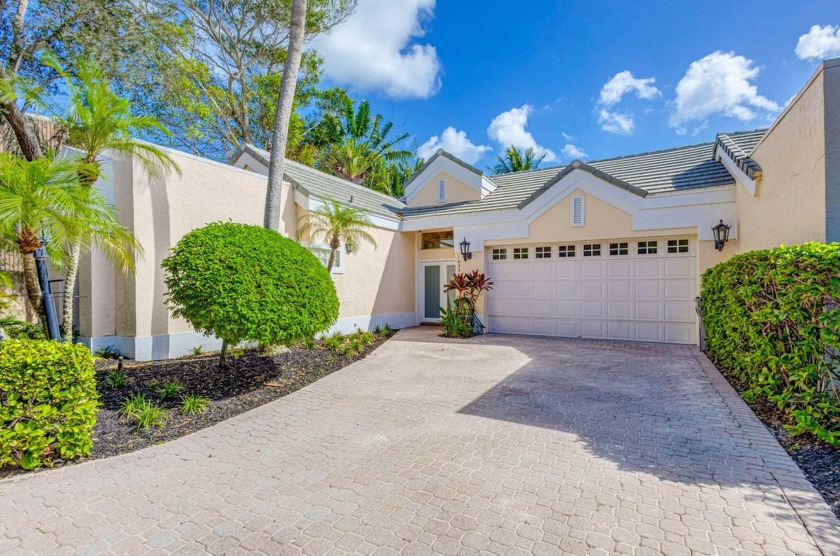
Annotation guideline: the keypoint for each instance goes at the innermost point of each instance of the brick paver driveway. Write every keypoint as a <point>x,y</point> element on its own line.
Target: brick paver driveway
<point>505,445</point>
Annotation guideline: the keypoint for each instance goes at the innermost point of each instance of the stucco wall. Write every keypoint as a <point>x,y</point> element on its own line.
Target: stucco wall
<point>456,191</point>
<point>789,205</point>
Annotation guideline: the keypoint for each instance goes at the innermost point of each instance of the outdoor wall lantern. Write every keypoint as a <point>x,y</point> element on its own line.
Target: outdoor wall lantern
<point>348,246</point>
<point>465,250</point>
<point>721,232</point>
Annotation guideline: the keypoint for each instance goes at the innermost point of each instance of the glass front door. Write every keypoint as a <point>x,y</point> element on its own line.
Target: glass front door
<point>435,275</point>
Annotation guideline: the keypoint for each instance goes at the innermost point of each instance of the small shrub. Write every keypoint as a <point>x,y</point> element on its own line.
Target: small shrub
<point>150,415</point>
<point>170,389</point>
<point>16,329</point>
<point>772,320</point>
<point>132,405</point>
<point>192,404</point>
<point>377,329</point>
<point>387,330</point>
<point>197,350</point>
<point>334,342</point>
<point>109,352</point>
<point>152,384</point>
<point>116,379</point>
<point>236,352</point>
<point>245,283</point>
<point>144,413</point>
<point>48,402</point>
<point>456,323</point>
<point>308,344</point>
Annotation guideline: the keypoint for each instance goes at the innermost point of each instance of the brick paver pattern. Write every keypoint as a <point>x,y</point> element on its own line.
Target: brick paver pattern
<point>501,445</point>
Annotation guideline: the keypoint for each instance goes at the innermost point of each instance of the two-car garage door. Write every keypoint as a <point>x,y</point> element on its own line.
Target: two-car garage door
<point>619,290</point>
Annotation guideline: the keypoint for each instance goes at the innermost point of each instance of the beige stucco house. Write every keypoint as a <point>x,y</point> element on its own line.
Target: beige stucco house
<point>610,249</point>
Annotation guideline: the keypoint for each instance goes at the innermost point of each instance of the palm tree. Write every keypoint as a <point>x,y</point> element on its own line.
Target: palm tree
<point>517,160</point>
<point>46,194</point>
<point>285,102</point>
<point>359,144</point>
<point>99,120</point>
<point>336,222</point>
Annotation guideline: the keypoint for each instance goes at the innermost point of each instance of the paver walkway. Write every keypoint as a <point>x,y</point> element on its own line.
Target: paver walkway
<point>505,445</point>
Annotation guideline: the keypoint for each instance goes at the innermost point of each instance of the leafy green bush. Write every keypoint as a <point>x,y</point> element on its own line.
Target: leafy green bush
<point>350,344</point>
<point>772,321</point>
<point>170,389</point>
<point>48,402</point>
<point>246,283</point>
<point>17,329</point>
<point>456,322</point>
<point>116,379</point>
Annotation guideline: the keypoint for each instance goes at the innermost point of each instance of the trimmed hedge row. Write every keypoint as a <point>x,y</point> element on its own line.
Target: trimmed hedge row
<point>772,320</point>
<point>48,402</point>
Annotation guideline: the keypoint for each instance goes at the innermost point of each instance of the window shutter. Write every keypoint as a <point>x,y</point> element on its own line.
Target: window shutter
<point>577,210</point>
<point>441,191</point>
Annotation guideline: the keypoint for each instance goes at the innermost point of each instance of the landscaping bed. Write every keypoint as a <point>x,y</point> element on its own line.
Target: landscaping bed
<point>248,381</point>
<point>819,461</point>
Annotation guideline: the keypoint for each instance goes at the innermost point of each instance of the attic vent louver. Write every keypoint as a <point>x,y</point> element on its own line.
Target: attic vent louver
<point>578,211</point>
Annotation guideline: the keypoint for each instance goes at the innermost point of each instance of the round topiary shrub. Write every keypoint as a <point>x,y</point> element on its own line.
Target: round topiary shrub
<point>246,283</point>
<point>48,402</point>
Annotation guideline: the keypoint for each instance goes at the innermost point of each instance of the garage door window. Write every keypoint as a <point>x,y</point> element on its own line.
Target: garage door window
<point>648,247</point>
<point>618,249</point>
<point>520,253</point>
<point>677,246</point>
<point>592,250</point>
<point>499,254</point>
<point>542,252</point>
<point>566,251</point>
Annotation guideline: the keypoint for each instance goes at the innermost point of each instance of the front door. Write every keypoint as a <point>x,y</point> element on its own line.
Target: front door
<point>434,276</point>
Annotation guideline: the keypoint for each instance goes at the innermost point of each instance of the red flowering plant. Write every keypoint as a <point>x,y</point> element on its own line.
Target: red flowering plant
<point>461,320</point>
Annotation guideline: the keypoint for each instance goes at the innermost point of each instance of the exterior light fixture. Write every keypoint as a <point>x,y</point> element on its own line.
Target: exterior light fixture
<point>465,250</point>
<point>348,246</point>
<point>721,232</point>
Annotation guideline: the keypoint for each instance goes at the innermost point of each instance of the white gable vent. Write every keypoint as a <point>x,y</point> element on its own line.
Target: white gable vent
<point>578,211</point>
<point>441,191</point>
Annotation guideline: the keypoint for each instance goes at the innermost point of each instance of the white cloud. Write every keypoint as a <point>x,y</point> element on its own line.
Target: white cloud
<point>616,122</point>
<point>720,83</point>
<point>613,91</point>
<point>573,151</point>
<point>376,49</point>
<point>819,43</point>
<point>454,142</point>
<point>622,83</point>
<point>508,128</point>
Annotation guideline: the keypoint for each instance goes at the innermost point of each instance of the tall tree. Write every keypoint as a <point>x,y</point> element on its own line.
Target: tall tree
<point>360,147</point>
<point>516,160</point>
<point>46,194</point>
<point>283,115</point>
<point>108,28</point>
<point>215,83</point>
<point>336,222</point>
<point>96,121</point>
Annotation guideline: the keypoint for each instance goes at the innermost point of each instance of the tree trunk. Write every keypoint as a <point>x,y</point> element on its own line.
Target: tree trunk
<point>223,354</point>
<point>285,102</point>
<point>331,260</point>
<point>33,289</point>
<point>69,290</point>
<point>25,135</point>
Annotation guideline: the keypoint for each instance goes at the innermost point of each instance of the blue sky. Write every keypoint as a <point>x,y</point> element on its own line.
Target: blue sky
<point>589,79</point>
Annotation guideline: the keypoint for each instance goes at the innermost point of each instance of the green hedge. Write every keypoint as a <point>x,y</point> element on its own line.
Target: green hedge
<point>772,320</point>
<point>48,402</point>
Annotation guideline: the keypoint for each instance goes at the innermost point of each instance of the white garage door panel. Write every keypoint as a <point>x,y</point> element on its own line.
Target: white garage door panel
<point>621,297</point>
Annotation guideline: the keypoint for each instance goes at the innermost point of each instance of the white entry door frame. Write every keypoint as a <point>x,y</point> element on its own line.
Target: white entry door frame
<point>432,277</point>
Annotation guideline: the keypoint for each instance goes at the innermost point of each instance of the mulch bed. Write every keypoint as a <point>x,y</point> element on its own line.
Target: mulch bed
<point>819,461</point>
<point>247,382</point>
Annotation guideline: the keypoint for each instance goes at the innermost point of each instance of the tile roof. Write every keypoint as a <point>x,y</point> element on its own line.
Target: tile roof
<point>675,169</point>
<point>649,173</point>
<point>738,146</point>
<point>325,186</point>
